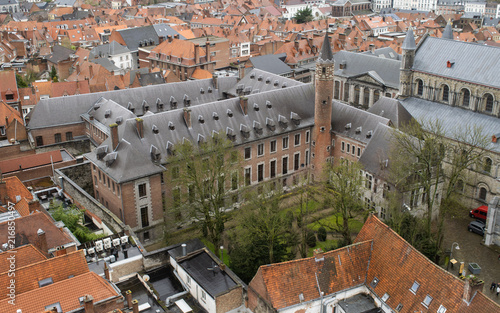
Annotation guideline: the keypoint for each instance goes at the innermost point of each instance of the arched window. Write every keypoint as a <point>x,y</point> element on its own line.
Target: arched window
<point>356,95</point>
<point>446,93</point>
<point>487,165</point>
<point>337,90</point>
<point>488,103</point>
<point>388,95</point>
<point>465,97</point>
<point>376,96</point>
<point>346,92</point>
<point>482,193</point>
<point>420,87</point>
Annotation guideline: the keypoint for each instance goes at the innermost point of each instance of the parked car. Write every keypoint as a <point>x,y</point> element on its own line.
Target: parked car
<point>476,227</point>
<point>479,213</point>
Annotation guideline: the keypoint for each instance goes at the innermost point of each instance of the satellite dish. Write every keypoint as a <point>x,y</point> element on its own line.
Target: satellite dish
<point>145,277</point>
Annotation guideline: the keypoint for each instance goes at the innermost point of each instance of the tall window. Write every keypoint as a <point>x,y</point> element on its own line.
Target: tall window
<point>376,96</point>
<point>346,92</point>
<point>420,87</point>
<point>248,153</point>
<point>285,166</point>
<point>356,94</point>
<point>273,168</point>
<point>142,190</point>
<point>297,139</point>
<point>248,176</point>
<point>307,157</point>
<point>39,141</point>
<point>260,149</point>
<point>488,107</point>
<point>446,93</point>
<point>176,195</point>
<point>308,135</point>
<point>57,137</point>
<point>234,181</point>
<point>296,161</point>
<point>272,147</point>
<point>465,97</point>
<point>337,90</point>
<point>69,136</point>
<point>285,142</point>
<point>144,216</point>
<point>260,172</point>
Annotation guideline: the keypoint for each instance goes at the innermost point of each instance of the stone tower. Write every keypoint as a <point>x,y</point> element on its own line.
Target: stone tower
<point>323,83</point>
<point>406,73</point>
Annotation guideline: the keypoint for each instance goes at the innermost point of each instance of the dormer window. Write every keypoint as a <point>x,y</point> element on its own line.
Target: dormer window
<point>155,129</point>
<point>256,107</point>
<point>229,113</point>
<point>427,301</point>
<point>268,104</point>
<point>201,119</point>
<point>107,114</point>
<point>415,287</point>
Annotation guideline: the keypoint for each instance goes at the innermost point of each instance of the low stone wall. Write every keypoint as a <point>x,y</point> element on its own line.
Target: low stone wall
<point>126,267</point>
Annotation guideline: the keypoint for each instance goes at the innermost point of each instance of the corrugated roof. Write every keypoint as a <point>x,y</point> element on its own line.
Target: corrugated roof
<point>473,62</point>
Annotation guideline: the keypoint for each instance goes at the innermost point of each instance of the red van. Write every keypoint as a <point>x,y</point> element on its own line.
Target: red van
<point>480,213</point>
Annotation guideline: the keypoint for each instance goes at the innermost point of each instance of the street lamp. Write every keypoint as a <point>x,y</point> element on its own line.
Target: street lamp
<point>451,252</point>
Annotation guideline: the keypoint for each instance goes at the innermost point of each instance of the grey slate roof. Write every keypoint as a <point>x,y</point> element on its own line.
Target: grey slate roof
<point>392,109</point>
<point>409,42</point>
<point>106,63</point>
<point>60,53</point>
<point>448,32</point>
<point>326,54</point>
<point>272,63</point>
<point>358,64</point>
<point>163,30</point>
<point>67,3</point>
<point>375,157</point>
<point>132,36</point>
<point>453,119</point>
<point>474,63</point>
<point>147,79</point>
<point>68,109</point>
<point>107,50</point>
<point>252,82</point>
<point>386,52</point>
<point>263,108</point>
<point>8,2</point>
<point>108,112</point>
<point>361,122</point>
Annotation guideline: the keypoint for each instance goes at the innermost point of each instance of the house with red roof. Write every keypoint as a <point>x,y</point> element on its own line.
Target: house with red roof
<point>8,88</point>
<point>380,272</point>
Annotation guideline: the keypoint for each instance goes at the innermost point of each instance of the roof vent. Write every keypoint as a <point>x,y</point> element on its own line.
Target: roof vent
<point>276,83</point>
<point>119,120</point>
<point>101,151</point>
<point>255,106</point>
<point>268,80</point>
<point>187,101</point>
<point>201,119</point>
<point>155,129</point>
<point>369,134</point>
<point>270,124</point>
<point>359,130</point>
<point>155,153</point>
<point>283,121</point>
<point>107,114</point>
<point>110,158</point>
<point>230,134</point>
<point>348,126</point>
<point>301,297</point>
<point>215,116</point>
<point>450,63</point>
<point>229,113</point>
<point>268,104</point>
<point>202,91</point>
<point>295,118</point>
<point>248,90</point>
<point>240,88</point>
<point>171,126</point>
<point>245,132</point>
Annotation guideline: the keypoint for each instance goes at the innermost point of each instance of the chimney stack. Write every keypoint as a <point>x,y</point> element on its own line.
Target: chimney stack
<point>214,81</point>
<point>128,297</point>
<point>296,45</point>
<point>42,241</point>
<point>184,249</point>
<point>241,71</point>
<point>135,306</point>
<point>88,303</point>
<point>196,53</point>
<point>106,271</point>
<point>244,105</point>
<point>471,287</point>
<point>78,67</point>
<point>139,123</point>
<point>169,38</point>
<point>187,117</point>
<point>91,71</point>
<point>207,48</point>
<point>114,135</point>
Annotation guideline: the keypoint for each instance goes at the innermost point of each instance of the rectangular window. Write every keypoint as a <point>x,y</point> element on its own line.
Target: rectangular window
<point>348,148</point>
<point>69,136</point>
<point>100,179</point>
<point>39,141</point>
<point>57,137</point>
<point>188,280</point>
<point>359,151</point>
<point>144,216</point>
<point>203,296</point>
<point>109,185</point>
<point>142,190</point>
<point>368,182</point>
<point>176,196</point>
<point>427,301</point>
<point>296,161</point>
<point>272,147</point>
<point>260,149</point>
<point>234,181</point>
<point>248,153</point>
<point>248,176</point>
<point>308,135</point>
<point>273,169</point>
<point>353,149</point>
<point>191,193</point>
<point>113,186</point>
<point>415,287</point>
<point>260,172</point>
<point>297,139</point>
<point>285,142</point>
<point>307,157</point>
<point>285,166</point>
<point>342,146</point>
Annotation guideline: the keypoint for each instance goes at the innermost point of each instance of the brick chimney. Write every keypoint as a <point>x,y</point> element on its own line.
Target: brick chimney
<point>88,304</point>
<point>241,71</point>
<point>169,38</point>
<point>114,135</point>
<point>196,53</point>
<point>78,67</point>
<point>207,48</point>
<point>3,190</point>
<point>135,306</point>
<point>244,105</point>
<point>214,81</point>
<point>296,45</point>
<point>471,287</point>
<point>91,71</point>
<point>42,241</point>
<point>187,117</point>
<point>139,123</point>
<point>106,271</point>
<point>128,297</point>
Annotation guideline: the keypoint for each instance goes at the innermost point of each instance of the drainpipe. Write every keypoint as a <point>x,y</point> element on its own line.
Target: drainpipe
<point>180,294</point>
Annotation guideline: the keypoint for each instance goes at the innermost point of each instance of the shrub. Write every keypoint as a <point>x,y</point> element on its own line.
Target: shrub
<point>321,233</point>
<point>311,238</point>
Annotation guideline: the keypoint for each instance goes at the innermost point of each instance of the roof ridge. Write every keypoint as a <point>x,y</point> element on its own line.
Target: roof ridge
<point>48,260</point>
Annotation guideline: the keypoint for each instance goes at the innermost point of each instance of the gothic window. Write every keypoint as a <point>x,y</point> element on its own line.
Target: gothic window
<point>487,165</point>
<point>446,93</point>
<point>465,97</point>
<point>488,101</point>
<point>376,96</point>
<point>420,87</point>
<point>482,193</point>
<point>337,90</point>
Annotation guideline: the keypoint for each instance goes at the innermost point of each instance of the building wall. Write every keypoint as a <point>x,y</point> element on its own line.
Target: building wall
<point>229,300</point>
<point>48,133</point>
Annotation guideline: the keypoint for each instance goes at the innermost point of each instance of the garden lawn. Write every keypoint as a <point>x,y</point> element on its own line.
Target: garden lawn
<point>354,224</point>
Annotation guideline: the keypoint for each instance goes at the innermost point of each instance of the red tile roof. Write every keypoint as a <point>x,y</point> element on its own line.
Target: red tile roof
<point>65,292</point>
<point>8,85</point>
<point>58,268</point>
<point>6,111</point>
<point>30,161</point>
<point>14,188</point>
<point>25,255</point>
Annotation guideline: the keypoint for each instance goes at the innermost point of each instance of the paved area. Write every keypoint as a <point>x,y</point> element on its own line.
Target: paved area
<point>473,251</point>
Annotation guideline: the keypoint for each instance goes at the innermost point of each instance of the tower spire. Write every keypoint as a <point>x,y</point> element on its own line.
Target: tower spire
<point>448,32</point>
<point>326,54</point>
<point>409,42</point>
